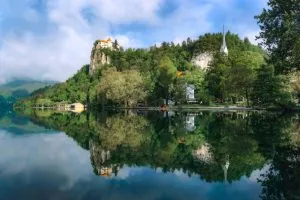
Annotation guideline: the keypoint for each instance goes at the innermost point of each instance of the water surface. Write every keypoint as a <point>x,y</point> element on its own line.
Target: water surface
<point>149,155</point>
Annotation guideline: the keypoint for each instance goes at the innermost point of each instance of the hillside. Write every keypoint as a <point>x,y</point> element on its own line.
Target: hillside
<point>22,87</point>
<point>125,77</point>
<point>14,90</point>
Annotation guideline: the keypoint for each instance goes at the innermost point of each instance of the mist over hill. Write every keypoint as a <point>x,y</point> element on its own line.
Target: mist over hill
<point>19,88</point>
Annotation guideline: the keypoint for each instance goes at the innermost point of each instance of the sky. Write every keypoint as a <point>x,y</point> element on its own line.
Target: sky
<point>52,39</point>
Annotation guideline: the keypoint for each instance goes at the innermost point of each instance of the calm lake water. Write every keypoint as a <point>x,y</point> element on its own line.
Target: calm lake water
<point>149,155</point>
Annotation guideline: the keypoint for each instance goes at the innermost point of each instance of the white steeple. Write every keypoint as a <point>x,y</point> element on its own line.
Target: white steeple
<point>224,48</point>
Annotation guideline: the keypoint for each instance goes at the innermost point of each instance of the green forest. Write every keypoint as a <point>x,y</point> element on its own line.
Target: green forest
<point>265,76</point>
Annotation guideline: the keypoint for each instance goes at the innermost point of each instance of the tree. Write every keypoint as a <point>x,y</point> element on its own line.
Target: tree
<point>167,75</point>
<point>280,30</point>
<point>215,77</point>
<point>157,67</point>
<point>270,90</point>
<point>241,73</point>
<point>126,86</point>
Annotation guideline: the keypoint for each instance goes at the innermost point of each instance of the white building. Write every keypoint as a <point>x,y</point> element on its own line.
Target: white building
<point>107,44</point>
<point>190,93</point>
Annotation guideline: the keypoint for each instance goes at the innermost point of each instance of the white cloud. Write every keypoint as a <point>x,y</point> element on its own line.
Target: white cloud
<point>188,20</point>
<point>127,41</point>
<point>55,154</point>
<point>252,36</point>
<point>60,52</point>
<point>63,43</point>
<point>53,57</point>
<point>120,11</point>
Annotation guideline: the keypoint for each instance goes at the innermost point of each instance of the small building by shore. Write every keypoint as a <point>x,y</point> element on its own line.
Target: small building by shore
<point>77,107</point>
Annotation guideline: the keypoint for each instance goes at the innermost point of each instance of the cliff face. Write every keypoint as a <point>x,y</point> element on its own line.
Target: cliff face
<point>98,55</point>
<point>98,58</point>
<point>203,60</point>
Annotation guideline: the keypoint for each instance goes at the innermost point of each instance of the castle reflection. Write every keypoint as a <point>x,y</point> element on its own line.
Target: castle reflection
<point>216,146</point>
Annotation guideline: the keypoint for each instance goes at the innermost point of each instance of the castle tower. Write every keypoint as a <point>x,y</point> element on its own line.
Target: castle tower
<point>224,48</point>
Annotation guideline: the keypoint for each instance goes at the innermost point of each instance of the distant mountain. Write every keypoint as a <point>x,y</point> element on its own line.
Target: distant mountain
<point>22,88</point>
<point>17,124</point>
<point>12,91</point>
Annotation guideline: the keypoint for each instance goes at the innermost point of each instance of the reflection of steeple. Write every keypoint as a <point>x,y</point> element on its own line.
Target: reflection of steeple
<point>224,48</point>
<point>225,168</point>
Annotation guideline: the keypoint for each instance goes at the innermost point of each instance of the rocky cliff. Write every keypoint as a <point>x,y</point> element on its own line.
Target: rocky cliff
<point>202,60</point>
<point>99,54</point>
<point>98,58</point>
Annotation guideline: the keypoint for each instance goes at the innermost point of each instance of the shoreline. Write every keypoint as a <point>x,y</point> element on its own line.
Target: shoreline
<point>176,108</point>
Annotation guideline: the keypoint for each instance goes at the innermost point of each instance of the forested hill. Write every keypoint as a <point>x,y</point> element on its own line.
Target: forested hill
<point>151,75</point>
<point>19,88</point>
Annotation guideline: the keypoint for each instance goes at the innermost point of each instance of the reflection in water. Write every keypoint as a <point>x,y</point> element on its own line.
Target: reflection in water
<point>101,162</point>
<point>190,122</point>
<point>217,147</point>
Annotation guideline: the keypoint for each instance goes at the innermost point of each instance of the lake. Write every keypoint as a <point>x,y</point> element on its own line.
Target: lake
<point>149,155</point>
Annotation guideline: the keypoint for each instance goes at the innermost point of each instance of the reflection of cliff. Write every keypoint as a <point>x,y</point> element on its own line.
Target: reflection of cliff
<point>204,154</point>
<point>101,161</point>
<point>164,142</point>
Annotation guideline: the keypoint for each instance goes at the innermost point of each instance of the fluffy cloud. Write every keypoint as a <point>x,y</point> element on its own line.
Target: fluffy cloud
<point>51,39</point>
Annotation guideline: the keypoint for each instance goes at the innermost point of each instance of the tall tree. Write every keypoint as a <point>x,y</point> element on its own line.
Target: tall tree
<point>241,73</point>
<point>216,76</point>
<point>167,75</point>
<point>280,30</point>
<point>269,89</point>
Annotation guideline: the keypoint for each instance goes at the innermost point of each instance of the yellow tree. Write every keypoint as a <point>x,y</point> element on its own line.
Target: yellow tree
<point>127,87</point>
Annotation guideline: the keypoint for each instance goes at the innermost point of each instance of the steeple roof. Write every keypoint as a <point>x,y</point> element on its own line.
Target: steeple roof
<point>224,48</point>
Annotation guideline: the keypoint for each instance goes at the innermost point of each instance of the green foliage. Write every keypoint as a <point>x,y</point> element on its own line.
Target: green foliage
<point>248,140</point>
<point>75,89</point>
<point>241,74</point>
<point>216,76</point>
<point>280,34</point>
<point>196,78</point>
<point>269,89</point>
<point>126,86</point>
<point>154,71</point>
<point>167,72</point>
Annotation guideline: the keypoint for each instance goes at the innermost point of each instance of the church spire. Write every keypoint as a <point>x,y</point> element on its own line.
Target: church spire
<point>224,48</point>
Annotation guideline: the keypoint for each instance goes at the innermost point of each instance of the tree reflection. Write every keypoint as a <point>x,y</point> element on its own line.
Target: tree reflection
<point>282,180</point>
<point>219,147</point>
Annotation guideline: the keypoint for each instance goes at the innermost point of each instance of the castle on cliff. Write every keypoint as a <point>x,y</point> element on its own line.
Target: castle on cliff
<point>108,43</point>
<point>98,56</point>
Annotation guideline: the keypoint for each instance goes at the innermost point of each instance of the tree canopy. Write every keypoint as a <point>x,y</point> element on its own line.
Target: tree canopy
<point>280,30</point>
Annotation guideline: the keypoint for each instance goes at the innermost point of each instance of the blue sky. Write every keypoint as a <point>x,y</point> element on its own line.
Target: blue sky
<point>52,39</point>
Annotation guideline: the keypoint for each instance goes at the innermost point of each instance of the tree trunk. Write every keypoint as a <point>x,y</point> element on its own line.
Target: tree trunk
<point>167,97</point>
<point>247,97</point>
<point>125,103</point>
